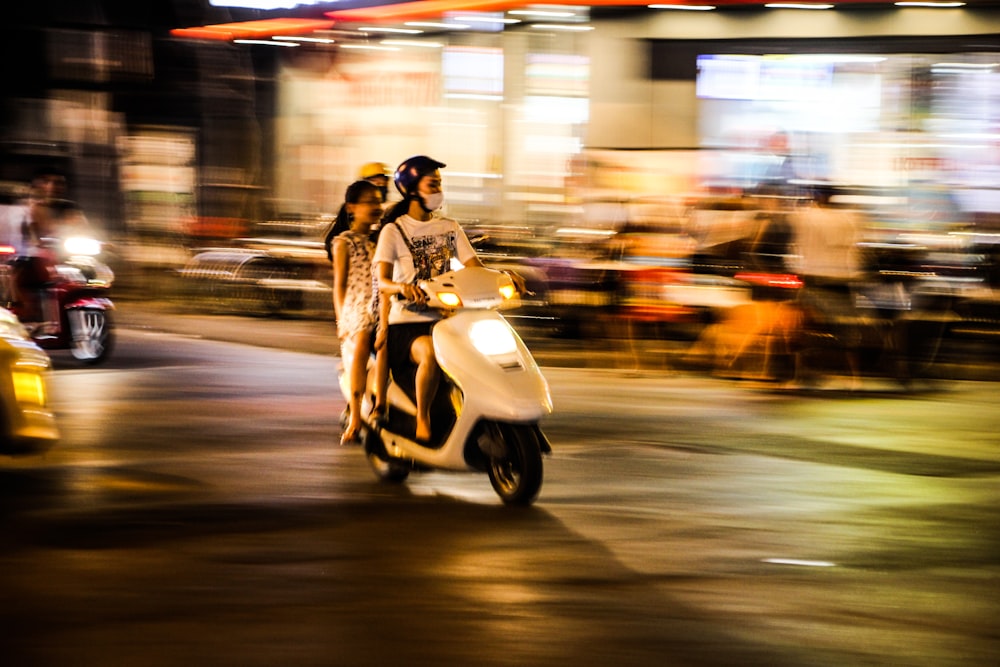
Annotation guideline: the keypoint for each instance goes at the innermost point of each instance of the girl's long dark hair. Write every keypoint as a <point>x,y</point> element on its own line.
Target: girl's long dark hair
<point>397,209</point>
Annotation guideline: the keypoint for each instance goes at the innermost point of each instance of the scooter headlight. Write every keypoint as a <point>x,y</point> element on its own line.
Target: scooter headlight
<point>508,292</point>
<point>81,245</point>
<point>492,338</point>
<point>450,299</point>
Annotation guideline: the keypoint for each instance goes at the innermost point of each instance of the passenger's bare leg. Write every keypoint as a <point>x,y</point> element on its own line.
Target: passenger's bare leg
<point>428,374</point>
<point>358,381</point>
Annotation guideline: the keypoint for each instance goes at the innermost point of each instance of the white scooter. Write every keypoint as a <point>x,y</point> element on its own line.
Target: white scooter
<point>492,395</point>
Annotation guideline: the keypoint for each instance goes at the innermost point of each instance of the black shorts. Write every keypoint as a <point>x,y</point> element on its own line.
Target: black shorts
<point>399,339</point>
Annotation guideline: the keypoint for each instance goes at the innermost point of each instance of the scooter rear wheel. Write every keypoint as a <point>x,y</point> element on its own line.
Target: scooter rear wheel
<point>91,334</point>
<point>517,476</point>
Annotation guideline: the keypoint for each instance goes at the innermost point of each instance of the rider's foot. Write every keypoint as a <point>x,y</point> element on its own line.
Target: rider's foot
<point>423,433</point>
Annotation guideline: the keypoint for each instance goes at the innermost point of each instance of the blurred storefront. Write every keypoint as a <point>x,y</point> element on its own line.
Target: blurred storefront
<point>535,123</point>
<point>534,120</point>
<point>507,113</point>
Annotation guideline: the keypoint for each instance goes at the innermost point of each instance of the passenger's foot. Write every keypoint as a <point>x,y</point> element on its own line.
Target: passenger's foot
<point>351,435</point>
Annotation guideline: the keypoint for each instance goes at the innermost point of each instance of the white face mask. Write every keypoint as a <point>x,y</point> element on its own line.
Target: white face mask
<point>433,202</point>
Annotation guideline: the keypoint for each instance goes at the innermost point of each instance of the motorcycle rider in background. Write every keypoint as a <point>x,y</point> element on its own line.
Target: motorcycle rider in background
<point>50,217</point>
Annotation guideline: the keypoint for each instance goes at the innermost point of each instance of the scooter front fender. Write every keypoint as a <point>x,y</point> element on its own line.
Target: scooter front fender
<point>506,387</point>
<point>98,302</point>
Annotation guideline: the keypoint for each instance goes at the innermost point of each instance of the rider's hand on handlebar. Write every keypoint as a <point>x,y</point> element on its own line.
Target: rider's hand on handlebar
<point>413,294</point>
<point>520,284</point>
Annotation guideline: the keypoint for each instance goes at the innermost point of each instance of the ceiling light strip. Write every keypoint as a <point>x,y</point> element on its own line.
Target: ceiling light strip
<point>264,42</point>
<point>398,31</point>
<point>437,24</point>
<point>538,13</point>
<point>417,9</point>
<point>302,38</point>
<point>797,5</point>
<point>688,8</point>
<point>412,42</point>
<point>561,26</point>
<point>495,20</point>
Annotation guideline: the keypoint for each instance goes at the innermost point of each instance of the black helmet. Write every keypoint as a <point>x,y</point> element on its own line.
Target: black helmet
<point>409,173</point>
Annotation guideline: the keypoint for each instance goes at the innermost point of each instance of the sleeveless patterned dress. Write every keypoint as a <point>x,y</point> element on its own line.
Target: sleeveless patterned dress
<point>359,305</point>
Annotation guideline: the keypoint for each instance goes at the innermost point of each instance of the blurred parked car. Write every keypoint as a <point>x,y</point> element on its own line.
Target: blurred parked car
<point>281,269</point>
<point>258,276</point>
<point>27,423</point>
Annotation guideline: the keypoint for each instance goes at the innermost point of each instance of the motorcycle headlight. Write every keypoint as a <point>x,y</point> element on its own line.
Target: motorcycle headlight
<point>11,327</point>
<point>29,388</point>
<point>492,338</point>
<point>80,245</point>
<point>507,292</point>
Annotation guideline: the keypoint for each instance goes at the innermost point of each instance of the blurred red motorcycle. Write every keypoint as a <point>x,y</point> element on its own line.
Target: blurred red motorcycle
<point>61,296</point>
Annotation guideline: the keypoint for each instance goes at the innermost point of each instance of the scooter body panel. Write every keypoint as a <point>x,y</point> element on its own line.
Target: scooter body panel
<point>506,386</point>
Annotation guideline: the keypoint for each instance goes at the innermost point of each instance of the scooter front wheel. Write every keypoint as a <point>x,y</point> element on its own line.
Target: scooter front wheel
<point>385,468</point>
<point>517,475</point>
<point>91,335</point>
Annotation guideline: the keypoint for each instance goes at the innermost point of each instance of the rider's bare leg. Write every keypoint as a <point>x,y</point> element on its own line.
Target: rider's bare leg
<point>381,384</point>
<point>427,377</point>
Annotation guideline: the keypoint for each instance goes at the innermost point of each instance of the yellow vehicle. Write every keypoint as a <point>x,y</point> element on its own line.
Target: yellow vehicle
<point>27,423</point>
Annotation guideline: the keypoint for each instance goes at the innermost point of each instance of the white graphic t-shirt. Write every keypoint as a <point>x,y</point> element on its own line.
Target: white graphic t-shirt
<point>435,242</point>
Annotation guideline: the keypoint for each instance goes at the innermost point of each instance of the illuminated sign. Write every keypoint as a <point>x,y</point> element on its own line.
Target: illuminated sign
<point>265,4</point>
<point>253,29</point>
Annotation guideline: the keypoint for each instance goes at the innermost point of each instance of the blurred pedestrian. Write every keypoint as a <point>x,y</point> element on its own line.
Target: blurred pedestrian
<point>354,299</point>
<point>377,173</point>
<point>830,261</point>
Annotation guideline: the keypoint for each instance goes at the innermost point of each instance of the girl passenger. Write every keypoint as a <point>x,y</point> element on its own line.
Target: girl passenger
<point>354,299</point>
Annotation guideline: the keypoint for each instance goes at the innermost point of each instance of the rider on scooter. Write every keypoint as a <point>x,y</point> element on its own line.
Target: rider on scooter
<point>417,243</point>
<point>50,216</point>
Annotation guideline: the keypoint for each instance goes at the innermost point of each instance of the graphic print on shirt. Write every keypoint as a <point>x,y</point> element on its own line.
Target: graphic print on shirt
<point>432,254</point>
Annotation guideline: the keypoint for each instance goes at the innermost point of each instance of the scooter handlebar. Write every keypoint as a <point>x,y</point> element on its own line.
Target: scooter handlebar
<point>471,287</point>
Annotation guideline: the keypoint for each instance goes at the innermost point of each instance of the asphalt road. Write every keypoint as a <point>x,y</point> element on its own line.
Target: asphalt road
<point>198,511</point>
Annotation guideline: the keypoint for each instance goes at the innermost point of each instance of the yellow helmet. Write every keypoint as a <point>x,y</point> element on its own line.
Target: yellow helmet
<point>372,169</point>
